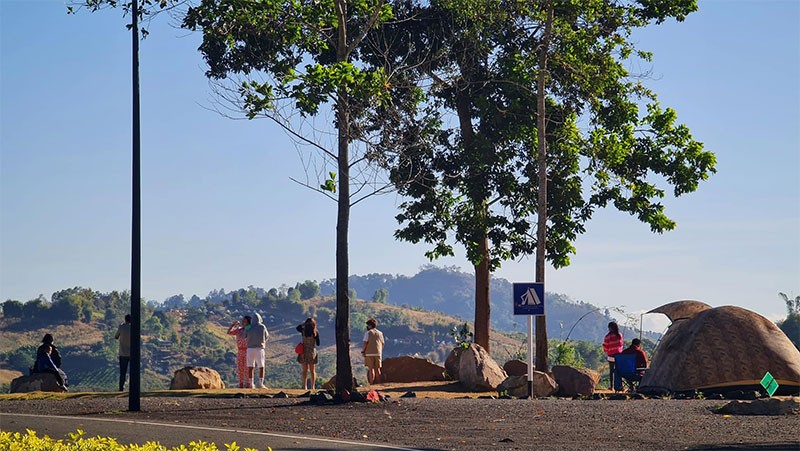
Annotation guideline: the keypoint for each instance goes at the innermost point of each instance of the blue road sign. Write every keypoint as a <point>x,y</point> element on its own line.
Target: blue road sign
<point>529,298</point>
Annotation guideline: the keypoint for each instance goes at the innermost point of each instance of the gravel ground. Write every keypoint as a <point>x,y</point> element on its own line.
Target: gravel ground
<point>464,424</point>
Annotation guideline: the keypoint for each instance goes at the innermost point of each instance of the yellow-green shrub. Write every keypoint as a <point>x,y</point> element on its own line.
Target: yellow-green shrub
<point>77,442</point>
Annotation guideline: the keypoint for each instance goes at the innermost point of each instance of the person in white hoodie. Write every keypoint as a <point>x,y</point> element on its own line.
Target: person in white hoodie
<point>256,335</point>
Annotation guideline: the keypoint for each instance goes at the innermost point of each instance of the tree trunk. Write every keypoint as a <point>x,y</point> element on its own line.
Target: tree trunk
<point>483,306</point>
<point>541,225</point>
<point>344,370</point>
<point>482,275</point>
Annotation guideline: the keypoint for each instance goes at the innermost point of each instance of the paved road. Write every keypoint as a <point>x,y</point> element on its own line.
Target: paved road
<point>170,435</point>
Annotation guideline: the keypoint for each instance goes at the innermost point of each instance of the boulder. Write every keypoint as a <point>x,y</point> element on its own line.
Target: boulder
<point>35,382</point>
<point>514,386</point>
<point>543,385</point>
<point>331,384</point>
<point>453,361</point>
<point>516,367</point>
<point>411,369</point>
<point>477,370</point>
<point>575,381</point>
<point>196,377</point>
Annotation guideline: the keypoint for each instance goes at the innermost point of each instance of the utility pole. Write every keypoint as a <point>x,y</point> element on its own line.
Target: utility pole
<point>134,391</point>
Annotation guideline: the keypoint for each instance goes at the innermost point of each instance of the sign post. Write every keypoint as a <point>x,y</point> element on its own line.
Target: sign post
<point>529,300</point>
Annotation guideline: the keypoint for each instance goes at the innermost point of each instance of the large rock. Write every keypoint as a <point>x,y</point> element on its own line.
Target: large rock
<point>516,367</point>
<point>331,384</point>
<point>477,371</point>
<point>543,385</point>
<point>453,361</point>
<point>411,369</point>
<point>35,382</point>
<point>575,381</point>
<point>196,377</point>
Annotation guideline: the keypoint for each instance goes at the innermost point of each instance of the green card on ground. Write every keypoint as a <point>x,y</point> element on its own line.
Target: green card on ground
<point>769,383</point>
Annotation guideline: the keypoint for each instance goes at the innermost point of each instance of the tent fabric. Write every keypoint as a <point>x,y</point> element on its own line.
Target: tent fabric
<point>681,309</point>
<point>720,347</point>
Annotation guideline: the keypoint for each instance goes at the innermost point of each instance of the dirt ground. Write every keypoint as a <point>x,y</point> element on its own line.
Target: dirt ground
<point>440,419</point>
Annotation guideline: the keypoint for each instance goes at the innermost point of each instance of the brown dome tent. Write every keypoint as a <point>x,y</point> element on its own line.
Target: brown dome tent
<point>720,349</point>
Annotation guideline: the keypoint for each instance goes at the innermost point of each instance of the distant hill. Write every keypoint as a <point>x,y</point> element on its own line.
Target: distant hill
<point>451,291</point>
<point>177,337</point>
<point>417,315</point>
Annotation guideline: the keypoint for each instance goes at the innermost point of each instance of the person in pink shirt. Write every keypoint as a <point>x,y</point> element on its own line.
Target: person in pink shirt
<point>612,344</point>
<point>237,329</point>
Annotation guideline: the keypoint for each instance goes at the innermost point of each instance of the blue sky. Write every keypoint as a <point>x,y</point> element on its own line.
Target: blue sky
<point>219,210</point>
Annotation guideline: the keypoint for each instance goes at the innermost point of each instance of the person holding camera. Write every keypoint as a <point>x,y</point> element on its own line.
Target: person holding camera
<point>237,329</point>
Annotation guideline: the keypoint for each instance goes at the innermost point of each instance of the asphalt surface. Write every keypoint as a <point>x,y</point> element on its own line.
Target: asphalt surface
<point>172,435</point>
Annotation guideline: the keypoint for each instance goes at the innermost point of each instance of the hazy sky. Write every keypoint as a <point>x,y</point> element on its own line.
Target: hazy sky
<point>219,210</point>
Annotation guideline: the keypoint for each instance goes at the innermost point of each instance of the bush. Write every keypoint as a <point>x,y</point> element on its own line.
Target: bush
<point>76,442</point>
<point>22,358</point>
<point>565,353</point>
<point>12,309</point>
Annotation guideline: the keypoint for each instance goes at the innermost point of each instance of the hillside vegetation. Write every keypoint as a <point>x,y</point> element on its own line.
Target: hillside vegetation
<point>178,333</point>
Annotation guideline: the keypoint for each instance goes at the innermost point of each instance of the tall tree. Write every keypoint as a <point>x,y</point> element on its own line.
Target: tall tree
<point>541,179</point>
<point>498,72</point>
<point>308,53</point>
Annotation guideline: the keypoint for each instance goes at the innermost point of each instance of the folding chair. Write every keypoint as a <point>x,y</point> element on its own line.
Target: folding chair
<point>626,371</point>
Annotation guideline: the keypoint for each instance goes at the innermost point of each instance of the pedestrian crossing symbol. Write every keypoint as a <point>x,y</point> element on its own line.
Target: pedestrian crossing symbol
<point>529,298</point>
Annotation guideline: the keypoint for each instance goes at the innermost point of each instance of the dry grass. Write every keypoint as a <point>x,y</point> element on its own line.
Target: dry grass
<point>435,390</point>
<point>72,334</point>
<point>6,376</point>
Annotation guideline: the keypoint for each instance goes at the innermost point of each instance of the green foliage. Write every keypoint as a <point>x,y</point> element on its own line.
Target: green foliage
<point>34,309</point>
<point>462,335</point>
<point>381,296</point>
<point>12,309</point>
<point>78,442</point>
<point>792,305</point>
<point>195,316</point>
<point>153,326</point>
<point>565,353</point>
<point>330,183</point>
<point>791,327</point>
<point>21,358</point>
<point>308,289</point>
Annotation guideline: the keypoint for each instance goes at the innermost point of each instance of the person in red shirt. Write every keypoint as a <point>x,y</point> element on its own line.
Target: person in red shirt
<point>237,330</point>
<point>641,357</point>
<point>612,344</point>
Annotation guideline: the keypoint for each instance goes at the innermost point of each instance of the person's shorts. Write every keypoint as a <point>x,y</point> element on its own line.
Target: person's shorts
<point>256,357</point>
<point>372,361</point>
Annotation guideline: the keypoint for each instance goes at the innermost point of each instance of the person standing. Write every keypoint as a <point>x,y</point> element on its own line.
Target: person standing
<point>309,358</point>
<point>372,351</point>
<point>612,344</point>
<point>124,336</point>
<point>237,329</point>
<point>256,336</point>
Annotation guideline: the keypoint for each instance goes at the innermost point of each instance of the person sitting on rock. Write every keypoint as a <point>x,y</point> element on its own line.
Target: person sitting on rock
<point>44,364</point>
<point>55,356</point>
